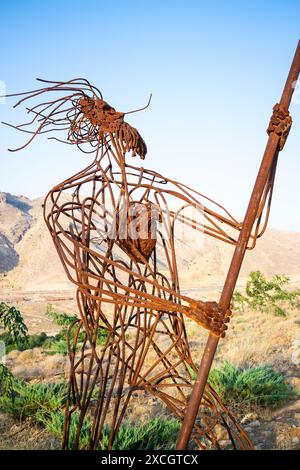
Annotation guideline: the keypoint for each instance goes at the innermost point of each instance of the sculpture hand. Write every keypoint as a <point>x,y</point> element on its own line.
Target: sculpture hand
<point>209,315</point>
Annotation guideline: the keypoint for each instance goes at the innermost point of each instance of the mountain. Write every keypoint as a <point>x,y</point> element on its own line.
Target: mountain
<point>28,260</point>
<point>15,220</point>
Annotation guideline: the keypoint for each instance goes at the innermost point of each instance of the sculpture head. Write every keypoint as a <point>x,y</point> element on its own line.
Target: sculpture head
<point>78,110</point>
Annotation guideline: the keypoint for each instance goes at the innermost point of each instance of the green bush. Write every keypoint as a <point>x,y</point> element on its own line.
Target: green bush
<point>54,422</point>
<point>59,343</point>
<point>45,404</point>
<point>262,386</point>
<point>60,319</point>
<point>158,433</point>
<point>259,386</point>
<point>30,342</point>
<point>266,295</point>
<point>15,334</point>
<point>6,382</point>
<point>13,323</point>
<point>23,400</point>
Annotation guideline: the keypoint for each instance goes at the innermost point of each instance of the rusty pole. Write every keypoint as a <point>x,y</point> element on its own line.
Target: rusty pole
<point>270,152</point>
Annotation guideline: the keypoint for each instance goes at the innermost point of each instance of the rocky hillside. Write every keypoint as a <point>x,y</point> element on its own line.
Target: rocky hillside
<point>28,259</point>
<point>15,220</point>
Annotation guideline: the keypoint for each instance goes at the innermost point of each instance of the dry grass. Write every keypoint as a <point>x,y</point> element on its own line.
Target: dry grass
<point>25,436</point>
<point>255,338</point>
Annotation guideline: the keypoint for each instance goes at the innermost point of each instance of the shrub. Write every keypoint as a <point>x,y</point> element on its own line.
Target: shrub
<point>262,386</point>
<point>15,334</point>
<point>13,323</point>
<point>45,404</point>
<point>31,341</point>
<point>158,433</point>
<point>6,381</point>
<point>23,400</point>
<point>59,343</point>
<point>266,295</point>
<point>60,319</point>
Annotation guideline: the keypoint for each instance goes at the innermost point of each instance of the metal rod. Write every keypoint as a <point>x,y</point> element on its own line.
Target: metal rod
<point>270,152</point>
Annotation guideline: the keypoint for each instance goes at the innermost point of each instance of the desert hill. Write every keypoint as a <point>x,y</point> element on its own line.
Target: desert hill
<point>28,260</point>
<point>34,263</point>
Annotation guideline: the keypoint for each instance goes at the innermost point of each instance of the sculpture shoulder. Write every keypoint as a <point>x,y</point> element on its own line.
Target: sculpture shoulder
<point>54,202</point>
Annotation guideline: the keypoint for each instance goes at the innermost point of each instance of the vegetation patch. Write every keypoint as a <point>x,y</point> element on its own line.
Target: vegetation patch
<point>23,400</point>
<point>12,322</point>
<point>259,386</point>
<point>45,404</point>
<point>15,334</point>
<point>159,433</point>
<point>58,344</point>
<point>271,296</point>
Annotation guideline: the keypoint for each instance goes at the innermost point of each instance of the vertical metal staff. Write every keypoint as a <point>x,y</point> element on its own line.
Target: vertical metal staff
<point>271,150</point>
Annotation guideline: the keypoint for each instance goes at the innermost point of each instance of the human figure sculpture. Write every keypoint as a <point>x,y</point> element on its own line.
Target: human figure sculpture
<point>113,228</point>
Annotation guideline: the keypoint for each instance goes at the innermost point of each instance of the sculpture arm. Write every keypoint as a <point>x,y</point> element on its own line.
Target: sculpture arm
<point>209,315</point>
<point>216,221</point>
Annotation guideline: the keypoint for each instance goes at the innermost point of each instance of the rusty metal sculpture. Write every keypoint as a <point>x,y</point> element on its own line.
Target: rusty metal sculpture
<point>113,227</point>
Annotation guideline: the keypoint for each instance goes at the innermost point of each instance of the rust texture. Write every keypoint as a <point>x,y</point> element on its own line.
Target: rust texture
<point>113,227</point>
<point>280,123</point>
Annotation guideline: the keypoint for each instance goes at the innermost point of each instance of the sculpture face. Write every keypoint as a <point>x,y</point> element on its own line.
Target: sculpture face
<point>105,123</point>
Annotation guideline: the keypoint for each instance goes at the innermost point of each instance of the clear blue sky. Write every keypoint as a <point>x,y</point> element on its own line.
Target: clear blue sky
<point>215,68</point>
